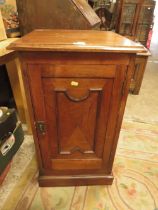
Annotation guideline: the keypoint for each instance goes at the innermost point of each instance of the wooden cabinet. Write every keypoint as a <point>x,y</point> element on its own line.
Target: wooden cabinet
<point>76,117</point>
<point>135,19</point>
<point>77,84</point>
<point>145,21</point>
<point>138,72</point>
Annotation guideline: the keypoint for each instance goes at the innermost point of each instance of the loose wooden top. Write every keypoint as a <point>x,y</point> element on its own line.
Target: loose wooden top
<point>76,41</point>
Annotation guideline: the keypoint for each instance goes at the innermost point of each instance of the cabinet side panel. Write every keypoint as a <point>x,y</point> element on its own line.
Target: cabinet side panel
<point>113,116</point>
<point>125,75</point>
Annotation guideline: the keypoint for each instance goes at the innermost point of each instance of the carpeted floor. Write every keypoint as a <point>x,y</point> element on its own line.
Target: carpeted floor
<point>20,163</point>
<point>135,185</point>
<point>144,107</point>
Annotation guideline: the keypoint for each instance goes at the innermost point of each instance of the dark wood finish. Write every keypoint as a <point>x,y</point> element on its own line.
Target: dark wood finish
<point>135,19</point>
<point>77,180</point>
<point>138,72</point>
<point>76,95</point>
<point>55,14</point>
<point>145,21</point>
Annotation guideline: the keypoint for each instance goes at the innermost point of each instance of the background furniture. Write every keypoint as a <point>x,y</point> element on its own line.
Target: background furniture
<point>135,19</point>
<point>127,16</point>
<point>138,72</point>
<point>9,58</point>
<point>82,91</point>
<point>105,9</point>
<point>65,14</point>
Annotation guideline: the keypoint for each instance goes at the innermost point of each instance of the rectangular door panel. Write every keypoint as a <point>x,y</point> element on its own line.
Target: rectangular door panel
<point>76,114</point>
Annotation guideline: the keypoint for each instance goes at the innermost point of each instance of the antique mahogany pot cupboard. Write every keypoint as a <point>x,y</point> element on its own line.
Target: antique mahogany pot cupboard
<point>77,84</point>
<point>131,18</point>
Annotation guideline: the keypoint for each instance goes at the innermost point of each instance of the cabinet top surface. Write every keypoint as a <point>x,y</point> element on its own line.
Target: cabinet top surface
<point>76,41</point>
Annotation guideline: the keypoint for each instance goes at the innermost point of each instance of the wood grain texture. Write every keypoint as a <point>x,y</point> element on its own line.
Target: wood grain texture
<point>135,19</point>
<point>138,73</point>
<point>87,12</point>
<point>76,41</point>
<point>80,98</point>
<point>85,58</point>
<point>20,82</point>
<point>56,181</point>
<point>16,88</point>
<point>55,14</point>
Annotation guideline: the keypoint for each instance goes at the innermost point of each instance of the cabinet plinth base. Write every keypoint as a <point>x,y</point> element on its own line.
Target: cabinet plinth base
<point>77,180</point>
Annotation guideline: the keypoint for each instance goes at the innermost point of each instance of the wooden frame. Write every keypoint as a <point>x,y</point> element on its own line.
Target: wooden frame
<point>2,29</point>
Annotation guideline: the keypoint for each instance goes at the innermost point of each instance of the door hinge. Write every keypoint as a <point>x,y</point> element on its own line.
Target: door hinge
<point>41,127</point>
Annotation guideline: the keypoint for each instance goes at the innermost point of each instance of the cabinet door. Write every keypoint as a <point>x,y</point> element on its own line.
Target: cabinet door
<point>145,23</point>
<point>75,112</point>
<point>127,22</point>
<point>146,15</point>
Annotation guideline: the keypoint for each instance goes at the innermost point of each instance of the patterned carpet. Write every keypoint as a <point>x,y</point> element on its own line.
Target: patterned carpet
<point>135,186</point>
<point>20,164</point>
